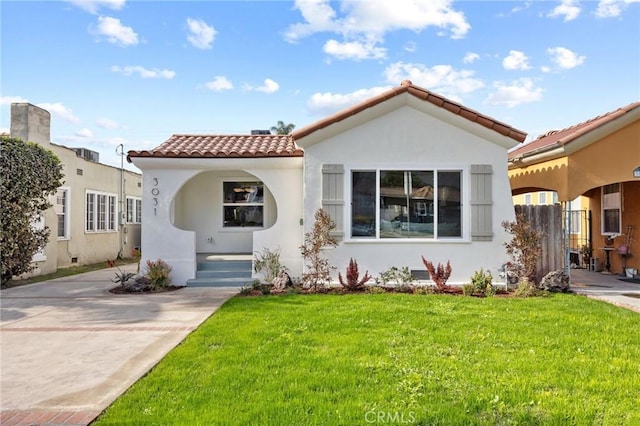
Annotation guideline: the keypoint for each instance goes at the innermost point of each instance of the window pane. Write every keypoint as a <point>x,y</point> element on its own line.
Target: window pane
<point>243,192</point>
<point>363,204</point>
<point>138,211</point>
<point>90,225</point>
<point>112,213</point>
<point>406,204</point>
<point>130,210</point>
<point>239,216</point>
<point>449,211</point>
<point>102,212</point>
<point>611,221</point>
<point>61,201</point>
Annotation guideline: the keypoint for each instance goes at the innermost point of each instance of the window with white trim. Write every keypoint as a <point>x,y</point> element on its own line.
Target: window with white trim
<point>542,198</point>
<point>611,209</point>
<point>61,207</point>
<point>389,204</point>
<point>134,210</point>
<point>527,199</point>
<point>243,204</point>
<point>100,212</point>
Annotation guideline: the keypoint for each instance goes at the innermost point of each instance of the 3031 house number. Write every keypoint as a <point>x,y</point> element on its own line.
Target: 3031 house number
<point>155,191</point>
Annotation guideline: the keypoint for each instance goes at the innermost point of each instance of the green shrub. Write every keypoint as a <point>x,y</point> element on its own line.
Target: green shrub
<point>468,289</point>
<point>375,289</point>
<point>395,275</point>
<point>158,273</point>
<point>268,264</point>
<point>482,283</point>
<point>246,289</point>
<point>527,288</point>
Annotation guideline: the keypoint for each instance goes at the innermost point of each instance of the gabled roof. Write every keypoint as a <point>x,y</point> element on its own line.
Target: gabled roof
<point>557,138</point>
<point>408,87</point>
<point>223,146</point>
<point>252,146</point>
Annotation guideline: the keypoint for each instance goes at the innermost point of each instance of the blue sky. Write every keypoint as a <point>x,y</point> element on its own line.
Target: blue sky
<point>134,72</point>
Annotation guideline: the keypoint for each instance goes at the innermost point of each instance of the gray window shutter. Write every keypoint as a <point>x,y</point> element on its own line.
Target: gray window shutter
<point>333,195</point>
<point>481,202</point>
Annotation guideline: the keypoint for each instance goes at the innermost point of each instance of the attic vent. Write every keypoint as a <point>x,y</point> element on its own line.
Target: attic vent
<point>261,132</point>
<point>420,274</point>
<point>79,172</point>
<point>88,154</point>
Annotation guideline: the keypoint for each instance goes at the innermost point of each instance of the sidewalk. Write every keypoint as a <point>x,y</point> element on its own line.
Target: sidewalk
<point>69,348</point>
<point>606,287</point>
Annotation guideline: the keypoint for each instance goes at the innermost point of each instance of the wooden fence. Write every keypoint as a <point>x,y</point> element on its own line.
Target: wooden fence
<point>548,220</point>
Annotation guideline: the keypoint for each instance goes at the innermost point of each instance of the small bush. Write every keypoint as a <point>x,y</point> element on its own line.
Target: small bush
<point>268,264</point>
<point>439,274</point>
<point>482,283</point>
<point>527,288</point>
<point>468,289</point>
<point>395,275</point>
<point>524,247</point>
<point>353,281</point>
<point>123,277</point>
<point>158,273</point>
<point>246,289</point>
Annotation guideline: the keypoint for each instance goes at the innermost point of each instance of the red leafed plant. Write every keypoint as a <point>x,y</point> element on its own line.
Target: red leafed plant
<point>353,281</point>
<point>439,274</point>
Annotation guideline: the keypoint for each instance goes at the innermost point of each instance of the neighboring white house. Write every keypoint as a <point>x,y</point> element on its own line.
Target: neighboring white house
<point>404,174</point>
<point>96,213</point>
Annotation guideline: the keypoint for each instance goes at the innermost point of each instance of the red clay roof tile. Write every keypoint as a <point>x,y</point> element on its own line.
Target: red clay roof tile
<point>223,146</point>
<point>554,138</point>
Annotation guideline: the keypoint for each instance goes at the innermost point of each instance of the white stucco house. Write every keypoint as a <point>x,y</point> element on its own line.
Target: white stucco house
<point>405,174</point>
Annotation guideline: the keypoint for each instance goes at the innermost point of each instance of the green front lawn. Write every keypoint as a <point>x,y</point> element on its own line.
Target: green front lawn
<point>397,359</point>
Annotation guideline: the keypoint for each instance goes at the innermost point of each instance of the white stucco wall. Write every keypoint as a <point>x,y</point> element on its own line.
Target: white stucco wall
<point>408,138</point>
<point>182,210</point>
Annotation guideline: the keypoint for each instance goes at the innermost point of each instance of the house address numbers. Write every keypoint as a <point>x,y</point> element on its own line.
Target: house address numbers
<point>155,191</point>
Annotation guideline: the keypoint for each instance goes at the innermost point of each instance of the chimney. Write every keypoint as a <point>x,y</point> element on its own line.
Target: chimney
<point>30,123</point>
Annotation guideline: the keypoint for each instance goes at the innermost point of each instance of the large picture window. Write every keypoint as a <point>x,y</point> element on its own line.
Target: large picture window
<point>406,204</point>
<point>100,212</point>
<point>243,204</point>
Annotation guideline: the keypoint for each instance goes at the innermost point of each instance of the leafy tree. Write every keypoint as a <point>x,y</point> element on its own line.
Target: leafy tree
<point>282,129</point>
<point>524,248</point>
<point>29,173</point>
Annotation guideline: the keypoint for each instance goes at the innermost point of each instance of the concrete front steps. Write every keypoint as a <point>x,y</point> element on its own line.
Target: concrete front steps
<point>222,273</point>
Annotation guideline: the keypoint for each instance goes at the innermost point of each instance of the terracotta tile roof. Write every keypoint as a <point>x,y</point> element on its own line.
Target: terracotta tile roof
<point>407,87</point>
<point>223,146</point>
<point>554,138</point>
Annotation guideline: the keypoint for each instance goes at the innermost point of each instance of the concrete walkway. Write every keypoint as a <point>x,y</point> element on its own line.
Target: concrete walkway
<point>606,287</point>
<point>69,348</point>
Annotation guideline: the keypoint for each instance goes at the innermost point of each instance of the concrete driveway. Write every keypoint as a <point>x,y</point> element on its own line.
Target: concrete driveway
<point>606,287</point>
<point>69,348</point>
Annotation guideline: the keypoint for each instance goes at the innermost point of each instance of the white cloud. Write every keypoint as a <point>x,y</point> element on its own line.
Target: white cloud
<point>354,50</point>
<point>269,86</point>
<point>442,79</point>
<point>8,100</point>
<point>565,58</point>
<point>144,72</point>
<point>612,8</point>
<point>92,6</point>
<point>367,22</point>
<point>107,123</point>
<point>84,133</point>
<point>219,83</point>
<point>515,93</point>
<point>567,8</point>
<point>115,32</point>
<point>470,58</point>
<point>328,103</point>
<point>57,109</point>
<point>200,35</point>
<point>516,60</point>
